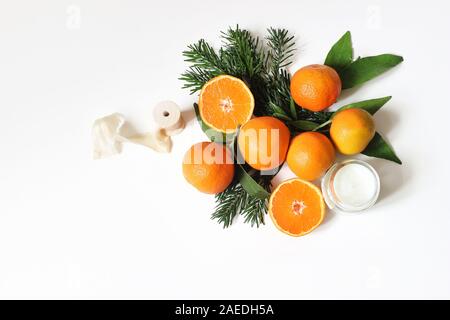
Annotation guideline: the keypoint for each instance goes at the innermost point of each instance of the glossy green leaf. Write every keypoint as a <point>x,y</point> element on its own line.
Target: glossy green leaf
<point>250,185</point>
<point>282,116</point>
<point>379,148</point>
<point>277,109</point>
<point>304,125</point>
<point>365,69</point>
<point>371,106</point>
<point>341,54</point>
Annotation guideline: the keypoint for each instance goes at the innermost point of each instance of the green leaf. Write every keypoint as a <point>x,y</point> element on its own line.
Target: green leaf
<point>282,116</point>
<point>249,184</point>
<point>365,69</point>
<point>379,148</point>
<point>293,109</point>
<point>277,109</point>
<point>213,135</point>
<point>304,125</point>
<point>341,54</point>
<point>371,106</point>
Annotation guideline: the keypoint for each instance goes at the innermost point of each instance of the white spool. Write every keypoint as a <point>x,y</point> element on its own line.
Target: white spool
<point>167,116</point>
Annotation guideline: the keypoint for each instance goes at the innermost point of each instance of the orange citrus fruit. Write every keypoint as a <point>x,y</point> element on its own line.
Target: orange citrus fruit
<point>263,142</point>
<point>310,155</point>
<point>209,167</point>
<point>296,207</point>
<point>352,130</point>
<point>315,87</point>
<point>225,103</point>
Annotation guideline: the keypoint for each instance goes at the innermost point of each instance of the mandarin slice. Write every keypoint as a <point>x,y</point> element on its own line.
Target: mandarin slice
<point>296,207</point>
<point>225,103</point>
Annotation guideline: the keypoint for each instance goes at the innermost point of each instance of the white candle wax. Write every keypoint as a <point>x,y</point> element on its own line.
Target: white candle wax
<point>355,185</point>
<point>350,186</point>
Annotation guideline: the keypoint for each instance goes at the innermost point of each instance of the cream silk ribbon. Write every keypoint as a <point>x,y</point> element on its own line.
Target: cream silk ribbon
<point>109,133</point>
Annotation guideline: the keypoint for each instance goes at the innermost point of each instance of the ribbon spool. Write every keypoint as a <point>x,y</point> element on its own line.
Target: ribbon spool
<point>167,116</point>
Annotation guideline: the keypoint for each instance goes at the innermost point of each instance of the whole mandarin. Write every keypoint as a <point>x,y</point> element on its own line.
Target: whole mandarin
<point>310,155</point>
<point>351,130</point>
<point>209,167</point>
<point>315,87</point>
<point>263,142</point>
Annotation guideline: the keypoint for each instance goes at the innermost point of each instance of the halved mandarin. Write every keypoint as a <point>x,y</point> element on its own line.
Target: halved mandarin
<point>225,103</point>
<point>296,207</point>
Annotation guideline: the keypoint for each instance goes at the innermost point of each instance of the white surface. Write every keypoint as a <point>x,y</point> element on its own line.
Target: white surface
<point>130,227</point>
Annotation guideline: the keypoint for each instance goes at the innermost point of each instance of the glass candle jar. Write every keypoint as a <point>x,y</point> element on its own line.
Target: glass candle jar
<point>351,186</point>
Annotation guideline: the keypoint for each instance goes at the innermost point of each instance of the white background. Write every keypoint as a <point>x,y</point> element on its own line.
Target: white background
<point>131,227</point>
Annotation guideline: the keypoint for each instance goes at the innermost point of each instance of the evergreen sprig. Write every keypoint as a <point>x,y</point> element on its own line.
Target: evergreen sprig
<point>281,48</point>
<point>229,203</point>
<point>235,200</point>
<point>256,208</point>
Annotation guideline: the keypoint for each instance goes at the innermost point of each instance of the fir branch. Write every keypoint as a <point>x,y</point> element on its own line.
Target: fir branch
<point>242,53</point>
<point>195,77</point>
<point>278,92</point>
<point>235,200</point>
<point>229,202</point>
<point>202,55</point>
<point>206,64</point>
<point>281,48</point>
<point>254,210</point>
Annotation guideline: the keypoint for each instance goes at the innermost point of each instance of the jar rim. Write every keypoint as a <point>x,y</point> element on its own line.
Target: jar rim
<point>330,196</point>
